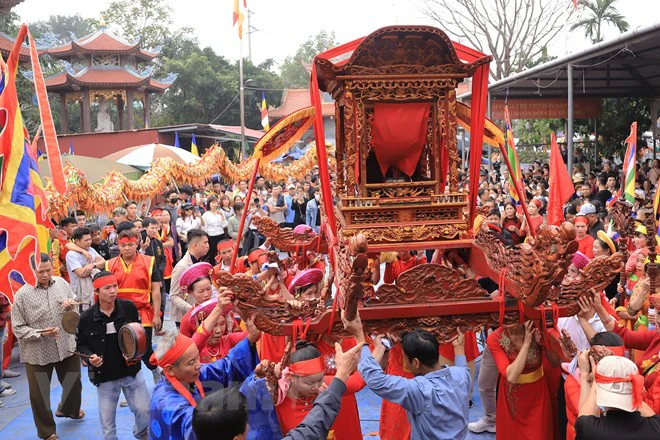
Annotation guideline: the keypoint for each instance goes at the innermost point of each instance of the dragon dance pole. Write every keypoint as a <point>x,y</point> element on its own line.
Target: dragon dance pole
<point>244,215</point>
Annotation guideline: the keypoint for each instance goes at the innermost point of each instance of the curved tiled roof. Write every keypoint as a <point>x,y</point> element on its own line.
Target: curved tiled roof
<point>104,77</point>
<point>7,44</point>
<point>102,41</point>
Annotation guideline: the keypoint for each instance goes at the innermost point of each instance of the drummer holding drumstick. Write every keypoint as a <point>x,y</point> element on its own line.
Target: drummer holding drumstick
<point>109,370</point>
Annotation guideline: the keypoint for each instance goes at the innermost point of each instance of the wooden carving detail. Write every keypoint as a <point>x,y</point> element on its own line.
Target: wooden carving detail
<point>652,268</point>
<point>272,371</point>
<point>410,233</point>
<point>352,148</point>
<point>624,224</point>
<point>597,275</point>
<point>429,283</point>
<point>269,311</point>
<point>443,327</point>
<point>285,239</point>
<point>351,270</point>
<point>534,268</point>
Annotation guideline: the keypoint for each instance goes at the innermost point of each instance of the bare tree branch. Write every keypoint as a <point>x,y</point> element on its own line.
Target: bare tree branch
<point>514,32</point>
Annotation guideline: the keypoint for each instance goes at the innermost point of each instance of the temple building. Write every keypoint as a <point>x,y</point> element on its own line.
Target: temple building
<point>103,69</point>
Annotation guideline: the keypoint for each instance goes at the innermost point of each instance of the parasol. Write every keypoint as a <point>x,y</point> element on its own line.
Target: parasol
<point>143,156</point>
<point>93,168</point>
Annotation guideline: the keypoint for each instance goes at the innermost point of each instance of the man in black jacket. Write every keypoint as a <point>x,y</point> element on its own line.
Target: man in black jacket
<point>109,370</point>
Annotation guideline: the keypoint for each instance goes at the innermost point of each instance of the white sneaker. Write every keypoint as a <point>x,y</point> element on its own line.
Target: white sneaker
<point>481,425</point>
<point>7,392</point>
<point>4,384</point>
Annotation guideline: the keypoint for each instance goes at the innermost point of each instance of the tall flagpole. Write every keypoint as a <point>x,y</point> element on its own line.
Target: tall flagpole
<point>242,93</point>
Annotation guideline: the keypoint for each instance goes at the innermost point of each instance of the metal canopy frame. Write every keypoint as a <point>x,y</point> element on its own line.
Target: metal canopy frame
<point>628,65</point>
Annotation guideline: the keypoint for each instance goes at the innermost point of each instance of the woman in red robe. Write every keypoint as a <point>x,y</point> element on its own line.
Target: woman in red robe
<point>301,383</point>
<point>524,406</point>
<point>196,281</point>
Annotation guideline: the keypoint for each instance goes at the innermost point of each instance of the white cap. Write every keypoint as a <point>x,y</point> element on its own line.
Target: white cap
<point>587,208</point>
<point>619,394</point>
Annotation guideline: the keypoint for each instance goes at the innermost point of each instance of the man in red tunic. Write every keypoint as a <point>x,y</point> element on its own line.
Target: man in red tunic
<point>405,260</point>
<point>138,282</point>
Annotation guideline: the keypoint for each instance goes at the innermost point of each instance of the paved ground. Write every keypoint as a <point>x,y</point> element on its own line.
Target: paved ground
<point>16,417</point>
<point>16,421</point>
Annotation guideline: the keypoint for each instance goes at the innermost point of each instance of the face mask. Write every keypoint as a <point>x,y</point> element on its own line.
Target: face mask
<point>173,201</point>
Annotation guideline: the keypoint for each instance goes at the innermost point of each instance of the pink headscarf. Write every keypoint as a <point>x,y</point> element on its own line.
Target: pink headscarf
<point>580,260</point>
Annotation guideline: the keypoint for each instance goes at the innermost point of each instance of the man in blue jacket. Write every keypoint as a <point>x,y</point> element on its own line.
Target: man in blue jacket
<point>436,399</point>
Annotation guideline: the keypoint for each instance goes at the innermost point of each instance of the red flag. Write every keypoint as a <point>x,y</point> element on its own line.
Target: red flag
<point>575,3</point>
<point>50,136</point>
<point>560,183</point>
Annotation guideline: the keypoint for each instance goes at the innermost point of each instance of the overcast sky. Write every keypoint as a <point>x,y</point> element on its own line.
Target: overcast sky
<point>284,24</point>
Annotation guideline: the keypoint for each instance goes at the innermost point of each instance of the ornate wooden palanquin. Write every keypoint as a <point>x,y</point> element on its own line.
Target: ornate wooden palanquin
<point>413,65</point>
<point>399,65</point>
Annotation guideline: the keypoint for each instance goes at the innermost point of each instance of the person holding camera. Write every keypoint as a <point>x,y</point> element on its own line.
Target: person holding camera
<point>109,370</point>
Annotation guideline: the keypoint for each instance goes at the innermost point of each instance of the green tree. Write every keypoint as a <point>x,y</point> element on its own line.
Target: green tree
<point>598,14</point>
<point>150,19</point>
<point>62,28</point>
<point>294,71</point>
<point>10,23</point>
<point>206,90</point>
<point>614,123</point>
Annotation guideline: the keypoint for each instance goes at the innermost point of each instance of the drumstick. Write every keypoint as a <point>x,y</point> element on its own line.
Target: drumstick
<point>81,354</point>
<point>79,303</point>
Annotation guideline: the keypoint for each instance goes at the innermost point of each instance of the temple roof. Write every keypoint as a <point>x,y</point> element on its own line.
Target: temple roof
<point>7,44</point>
<point>106,77</point>
<point>102,41</point>
<point>295,99</point>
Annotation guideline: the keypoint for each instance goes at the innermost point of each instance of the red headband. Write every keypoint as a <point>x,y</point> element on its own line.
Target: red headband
<point>105,280</point>
<point>156,211</point>
<point>308,367</point>
<point>637,381</point>
<point>255,254</point>
<point>581,219</point>
<point>171,356</point>
<point>618,351</point>
<point>127,239</point>
<point>227,244</point>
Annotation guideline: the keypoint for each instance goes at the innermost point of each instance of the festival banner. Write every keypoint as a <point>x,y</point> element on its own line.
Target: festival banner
<point>512,154</point>
<point>630,165</point>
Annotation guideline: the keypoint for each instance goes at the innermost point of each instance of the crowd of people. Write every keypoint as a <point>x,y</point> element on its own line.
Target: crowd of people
<point>146,266</point>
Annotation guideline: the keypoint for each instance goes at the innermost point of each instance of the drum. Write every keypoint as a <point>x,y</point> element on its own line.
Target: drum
<point>132,341</point>
<point>70,320</point>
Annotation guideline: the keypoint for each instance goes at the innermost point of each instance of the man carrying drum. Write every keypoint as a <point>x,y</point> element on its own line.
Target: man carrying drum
<point>139,282</point>
<point>109,370</point>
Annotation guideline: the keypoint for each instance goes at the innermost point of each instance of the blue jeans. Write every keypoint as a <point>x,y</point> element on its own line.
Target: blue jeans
<point>137,396</point>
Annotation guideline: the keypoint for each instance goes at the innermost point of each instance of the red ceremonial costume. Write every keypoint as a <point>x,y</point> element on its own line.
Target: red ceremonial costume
<point>648,343</point>
<point>524,408</point>
<point>163,235</point>
<point>398,266</point>
<point>291,411</point>
<point>134,283</point>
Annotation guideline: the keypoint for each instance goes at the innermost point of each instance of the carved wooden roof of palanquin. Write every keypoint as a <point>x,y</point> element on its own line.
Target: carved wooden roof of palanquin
<point>397,51</point>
